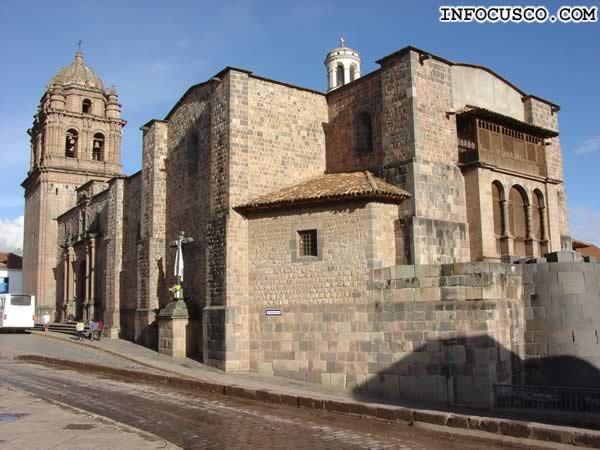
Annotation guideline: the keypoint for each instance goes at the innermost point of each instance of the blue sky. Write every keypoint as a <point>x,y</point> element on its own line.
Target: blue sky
<point>153,51</point>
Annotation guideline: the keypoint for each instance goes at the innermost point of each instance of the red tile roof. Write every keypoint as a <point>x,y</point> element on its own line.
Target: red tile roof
<point>330,187</point>
<point>10,261</point>
<point>586,249</point>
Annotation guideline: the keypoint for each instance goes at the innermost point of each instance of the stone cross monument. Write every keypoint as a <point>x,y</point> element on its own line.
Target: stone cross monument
<point>178,271</point>
<point>173,319</point>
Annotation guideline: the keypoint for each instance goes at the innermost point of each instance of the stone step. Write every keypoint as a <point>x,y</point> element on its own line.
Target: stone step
<point>63,328</point>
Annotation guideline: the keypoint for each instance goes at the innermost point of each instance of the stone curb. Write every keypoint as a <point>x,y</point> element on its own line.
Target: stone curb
<point>493,426</point>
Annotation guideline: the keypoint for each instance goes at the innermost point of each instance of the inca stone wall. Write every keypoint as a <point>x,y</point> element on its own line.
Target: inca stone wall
<point>433,333</point>
<point>562,311</point>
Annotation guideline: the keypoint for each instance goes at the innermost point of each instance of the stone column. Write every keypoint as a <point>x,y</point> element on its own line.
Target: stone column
<point>346,74</point>
<point>92,275</point>
<point>65,303</point>
<point>529,247</point>
<point>86,280</point>
<point>544,248</point>
<point>71,310</point>
<point>332,78</point>
<point>506,240</point>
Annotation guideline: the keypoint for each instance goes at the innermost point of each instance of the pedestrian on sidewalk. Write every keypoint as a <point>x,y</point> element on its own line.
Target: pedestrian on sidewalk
<point>100,328</point>
<point>46,320</point>
<point>79,327</point>
<point>93,329</point>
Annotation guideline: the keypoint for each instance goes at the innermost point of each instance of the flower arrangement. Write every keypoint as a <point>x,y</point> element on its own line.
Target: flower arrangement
<point>175,289</point>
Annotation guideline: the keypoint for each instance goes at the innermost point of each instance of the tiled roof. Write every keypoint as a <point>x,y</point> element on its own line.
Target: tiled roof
<point>586,249</point>
<point>330,187</point>
<point>10,261</point>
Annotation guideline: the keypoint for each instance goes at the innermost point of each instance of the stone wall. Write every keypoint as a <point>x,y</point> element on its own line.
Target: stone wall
<point>131,244</point>
<point>188,194</point>
<point>151,258</point>
<point>429,333</point>
<point>346,104</point>
<point>420,155</point>
<point>275,138</point>
<point>562,310</point>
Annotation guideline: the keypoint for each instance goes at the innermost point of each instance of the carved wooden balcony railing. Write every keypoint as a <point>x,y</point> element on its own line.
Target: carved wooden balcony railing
<point>487,142</point>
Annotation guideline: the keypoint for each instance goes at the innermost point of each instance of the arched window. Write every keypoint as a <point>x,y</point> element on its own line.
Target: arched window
<point>340,75</point>
<point>86,106</point>
<point>497,199</point>
<point>353,72</point>
<point>71,143</point>
<point>363,132</point>
<point>517,212</point>
<point>98,147</point>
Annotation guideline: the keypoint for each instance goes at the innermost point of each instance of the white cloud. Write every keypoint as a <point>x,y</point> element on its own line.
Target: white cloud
<point>585,224</point>
<point>590,145</point>
<point>11,234</point>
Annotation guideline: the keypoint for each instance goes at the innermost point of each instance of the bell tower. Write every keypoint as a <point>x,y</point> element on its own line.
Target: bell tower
<point>75,138</point>
<point>343,66</point>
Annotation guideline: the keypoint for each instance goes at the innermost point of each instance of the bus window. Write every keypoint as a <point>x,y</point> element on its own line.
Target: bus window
<point>20,300</point>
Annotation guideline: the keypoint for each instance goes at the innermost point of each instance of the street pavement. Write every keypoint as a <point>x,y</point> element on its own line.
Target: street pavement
<point>28,422</point>
<point>204,420</point>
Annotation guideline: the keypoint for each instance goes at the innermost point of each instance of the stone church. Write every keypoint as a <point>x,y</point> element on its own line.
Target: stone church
<point>328,227</point>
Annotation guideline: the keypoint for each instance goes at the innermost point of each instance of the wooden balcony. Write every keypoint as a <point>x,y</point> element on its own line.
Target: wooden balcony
<point>490,143</point>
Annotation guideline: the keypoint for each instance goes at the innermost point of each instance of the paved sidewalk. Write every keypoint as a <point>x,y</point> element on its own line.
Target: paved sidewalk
<point>136,362</point>
<point>28,422</point>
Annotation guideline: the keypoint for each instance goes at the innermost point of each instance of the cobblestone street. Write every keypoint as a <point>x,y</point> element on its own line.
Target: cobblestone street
<point>212,421</point>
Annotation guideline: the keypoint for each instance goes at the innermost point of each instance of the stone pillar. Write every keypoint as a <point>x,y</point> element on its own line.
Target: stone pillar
<point>86,280</point>
<point>173,321</point>
<point>346,74</point>
<point>92,275</point>
<point>73,283</point>
<point>65,302</point>
<point>529,242</point>
<point>506,241</point>
<point>332,78</point>
<point>544,247</point>
<point>151,252</point>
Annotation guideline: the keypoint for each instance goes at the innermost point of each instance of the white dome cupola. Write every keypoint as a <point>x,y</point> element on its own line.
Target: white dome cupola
<point>343,66</point>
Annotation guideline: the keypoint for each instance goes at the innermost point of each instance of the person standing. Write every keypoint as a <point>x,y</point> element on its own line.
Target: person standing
<point>46,320</point>
<point>100,328</point>
<point>93,329</point>
<point>79,327</point>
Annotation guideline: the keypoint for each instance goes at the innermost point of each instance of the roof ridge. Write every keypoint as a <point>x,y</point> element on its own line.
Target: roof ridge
<point>371,181</point>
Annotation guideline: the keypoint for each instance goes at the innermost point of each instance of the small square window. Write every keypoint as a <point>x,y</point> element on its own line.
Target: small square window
<point>307,242</point>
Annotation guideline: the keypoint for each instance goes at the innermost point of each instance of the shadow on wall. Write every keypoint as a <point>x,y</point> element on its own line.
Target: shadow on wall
<point>463,371</point>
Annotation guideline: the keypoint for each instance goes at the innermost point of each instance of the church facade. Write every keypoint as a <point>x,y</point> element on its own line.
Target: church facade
<point>327,227</point>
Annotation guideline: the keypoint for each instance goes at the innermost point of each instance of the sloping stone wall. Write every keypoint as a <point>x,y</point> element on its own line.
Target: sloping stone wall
<point>562,328</point>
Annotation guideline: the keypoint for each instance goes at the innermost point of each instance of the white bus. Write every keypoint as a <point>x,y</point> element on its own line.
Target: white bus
<point>17,311</point>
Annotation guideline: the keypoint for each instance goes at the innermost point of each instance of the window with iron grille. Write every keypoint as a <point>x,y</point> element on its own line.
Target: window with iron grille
<point>308,242</point>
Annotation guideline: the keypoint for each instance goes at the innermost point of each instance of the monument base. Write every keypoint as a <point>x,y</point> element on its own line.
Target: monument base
<point>173,322</point>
